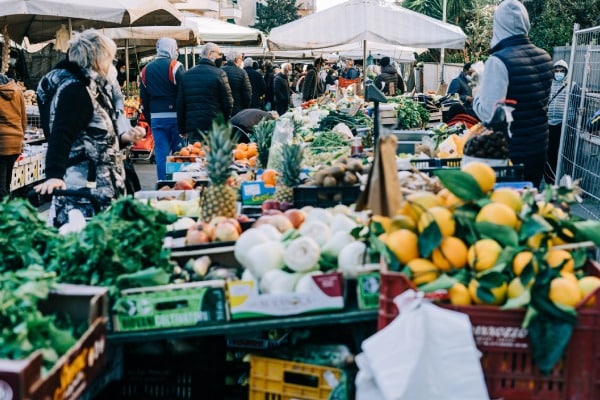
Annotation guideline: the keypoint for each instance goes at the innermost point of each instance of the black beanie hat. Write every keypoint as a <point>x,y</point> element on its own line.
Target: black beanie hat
<point>385,61</point>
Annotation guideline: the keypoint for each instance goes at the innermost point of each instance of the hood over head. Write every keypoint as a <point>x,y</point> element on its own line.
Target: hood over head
<point>8,87</point>
<point>166,47</point>
<point>562,63</point>
<point>510,18</point>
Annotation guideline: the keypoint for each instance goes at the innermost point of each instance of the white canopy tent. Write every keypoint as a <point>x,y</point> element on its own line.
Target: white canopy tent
<point>217,31</point>
<point>365,20</point>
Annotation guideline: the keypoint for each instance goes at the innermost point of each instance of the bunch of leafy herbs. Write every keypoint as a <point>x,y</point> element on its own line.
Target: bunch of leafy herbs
<point>23,328</point>
<point>24,236</point>
<point>411,113</point>
<point>119,248</point>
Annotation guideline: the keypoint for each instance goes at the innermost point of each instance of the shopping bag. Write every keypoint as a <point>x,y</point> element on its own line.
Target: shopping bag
<point>382,193</point>
<point>427,352</point>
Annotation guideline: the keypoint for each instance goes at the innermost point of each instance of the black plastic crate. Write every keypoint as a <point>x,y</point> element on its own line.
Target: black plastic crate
<point>190,375</point>
<point>513,173</point>
<point>318,196</point>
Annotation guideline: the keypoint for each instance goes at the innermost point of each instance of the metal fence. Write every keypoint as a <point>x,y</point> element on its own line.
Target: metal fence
<point>579,153</point>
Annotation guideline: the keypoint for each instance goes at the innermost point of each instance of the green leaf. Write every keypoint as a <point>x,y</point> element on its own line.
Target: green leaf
<point>491,279</point>
<point>465,224</point>
<point>518,302</point>
<point>444,281</point>
<point>505,235</point>
<point>485,295</point>
<point>429,239</point>
<point>588,229</point>
<point>459,183</point>
<point>532,225</point>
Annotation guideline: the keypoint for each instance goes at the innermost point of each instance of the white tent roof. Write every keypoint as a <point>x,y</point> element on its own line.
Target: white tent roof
<point>148,35</point>
<point>374,21</point>
<point>217,31</point>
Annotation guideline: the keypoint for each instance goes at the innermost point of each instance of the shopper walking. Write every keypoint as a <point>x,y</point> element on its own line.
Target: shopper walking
<point>13,121</point>
<point>520,71</point>
<point>312,88</point>
<point>203,94</point>
<point>241,90</point>
<point>269,80</point>
<point>79,119</point>
<point>389,80</point>
<point>158,91</point>
<point>556,111</point>
<point>257,82</point>
<point>281,89</point>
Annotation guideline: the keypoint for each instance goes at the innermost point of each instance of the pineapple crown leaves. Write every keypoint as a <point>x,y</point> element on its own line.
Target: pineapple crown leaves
<point>219,155</point>
<point>263,136</point>
<point>291,155</point>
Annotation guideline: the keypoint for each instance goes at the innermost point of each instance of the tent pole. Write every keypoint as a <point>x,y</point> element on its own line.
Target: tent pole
<point>364,68</point>
<point>443,50</point>
<point>127,67</point>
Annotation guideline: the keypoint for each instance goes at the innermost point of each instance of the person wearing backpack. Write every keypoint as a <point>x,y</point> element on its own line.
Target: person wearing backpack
<point>158,92</point>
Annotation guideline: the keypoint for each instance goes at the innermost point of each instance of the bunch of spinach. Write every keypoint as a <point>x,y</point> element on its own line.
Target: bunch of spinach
<point>119,248</point>
<point>23,328</point>
<point>411,113</point>
<point>24,236</point>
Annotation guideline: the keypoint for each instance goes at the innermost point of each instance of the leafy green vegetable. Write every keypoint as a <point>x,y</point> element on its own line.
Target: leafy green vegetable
<point>23,328</point>
<point>125,239</point>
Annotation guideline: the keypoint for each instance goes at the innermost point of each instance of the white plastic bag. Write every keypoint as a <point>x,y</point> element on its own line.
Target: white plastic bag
<point>427,352</point>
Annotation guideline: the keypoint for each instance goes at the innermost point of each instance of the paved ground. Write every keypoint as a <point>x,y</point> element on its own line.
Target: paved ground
<point>147,174</point>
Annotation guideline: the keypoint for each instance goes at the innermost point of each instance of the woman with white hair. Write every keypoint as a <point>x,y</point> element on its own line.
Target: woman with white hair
<point>79,118</point>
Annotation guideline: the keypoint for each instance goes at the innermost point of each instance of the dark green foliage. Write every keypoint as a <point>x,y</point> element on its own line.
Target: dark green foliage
<point>275,13</point>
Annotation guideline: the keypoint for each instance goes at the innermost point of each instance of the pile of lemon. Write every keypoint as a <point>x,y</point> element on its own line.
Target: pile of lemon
<point>469,261</point>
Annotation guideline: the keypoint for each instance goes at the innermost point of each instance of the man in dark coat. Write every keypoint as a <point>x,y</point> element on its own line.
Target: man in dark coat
<point>203,94</point>
<point>389,75</point>
<point>311,88</point>
<point>460,85</point>
<point>241,90</point>
<point>257,82</point>
<point>281,89</point>
<point>520,71</point>
<point>269,80</point>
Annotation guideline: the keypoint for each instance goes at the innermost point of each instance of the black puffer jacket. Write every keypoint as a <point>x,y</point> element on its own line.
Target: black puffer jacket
<point>258,87</point>
<point>310,87</point>
<point>281,93</point>
<point>240,86</point>
<point>203,94</point>
<point>389,75</point>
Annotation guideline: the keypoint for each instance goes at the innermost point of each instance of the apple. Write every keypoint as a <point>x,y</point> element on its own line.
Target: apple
<point>270,204</point>
<point>195,236</point>
<point>243,218</point>
<point>235,223</point>
<point>295,216</point>
<point>281,222</point>
<point>184,184</point>
<point>208,229</point>
<point>285,205</point>
<point>272,211</point>
<point>215,221</point>
<point>225,231</point>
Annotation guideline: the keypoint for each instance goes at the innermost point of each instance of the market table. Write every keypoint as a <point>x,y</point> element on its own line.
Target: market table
<point>350,316</point>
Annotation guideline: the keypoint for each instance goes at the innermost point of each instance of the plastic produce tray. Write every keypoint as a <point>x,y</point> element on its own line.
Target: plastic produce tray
<point>318,196</point>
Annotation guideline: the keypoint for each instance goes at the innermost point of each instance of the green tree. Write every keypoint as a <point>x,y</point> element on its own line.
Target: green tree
<point>552,20</point>
<point>275,13</point>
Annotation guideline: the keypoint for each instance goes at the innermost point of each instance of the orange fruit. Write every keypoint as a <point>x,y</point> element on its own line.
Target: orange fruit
<point>184,152</point>
<point>197,144</point>
<point>269,177</point>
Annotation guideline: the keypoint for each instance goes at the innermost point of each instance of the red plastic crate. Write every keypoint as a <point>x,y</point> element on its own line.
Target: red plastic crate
<point>508,366</point>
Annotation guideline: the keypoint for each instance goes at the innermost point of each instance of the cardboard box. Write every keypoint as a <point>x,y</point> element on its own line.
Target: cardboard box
<point>246,302</point>
<point>170,306</point>
<point>76,369</point>
<point>180,163</point>
<point>255,193</point>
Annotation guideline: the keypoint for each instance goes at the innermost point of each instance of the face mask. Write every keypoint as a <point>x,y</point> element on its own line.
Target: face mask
<point>468,78</point>
<point>559,76</point>
<point>219,62</point>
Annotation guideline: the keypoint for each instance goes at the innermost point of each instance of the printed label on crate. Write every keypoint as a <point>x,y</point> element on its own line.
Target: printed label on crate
<point>326,295</point>
<point>255,193</point>
<point>513,337</point>
<point>83,363</point>
<point>171,306</point>
<point>367,290</point>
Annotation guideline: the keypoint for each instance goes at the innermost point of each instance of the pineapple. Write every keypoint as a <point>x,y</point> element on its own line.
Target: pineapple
<point>263,135</point>
<point>218,199</point>
<point>291,158</point>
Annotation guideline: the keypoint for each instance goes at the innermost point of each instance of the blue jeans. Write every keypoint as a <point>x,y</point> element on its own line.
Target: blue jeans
<point>166,140</point>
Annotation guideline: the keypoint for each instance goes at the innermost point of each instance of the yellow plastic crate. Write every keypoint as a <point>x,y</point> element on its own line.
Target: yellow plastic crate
<point>271,378</point>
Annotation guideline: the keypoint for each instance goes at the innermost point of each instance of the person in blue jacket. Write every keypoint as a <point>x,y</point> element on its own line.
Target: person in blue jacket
<point>158,92</point>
